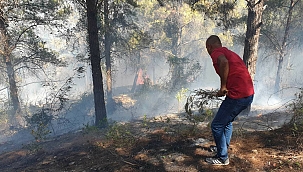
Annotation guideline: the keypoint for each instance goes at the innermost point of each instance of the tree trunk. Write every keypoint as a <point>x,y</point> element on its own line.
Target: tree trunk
<point>254,22</point>
<point>173,32</point>
<point>6,53</point>
<point>13,87</point>
<point>282,52</point>
<point>137,74</point>
<point>107,44</point>
<point>100,110</point>
<point>135,81</point>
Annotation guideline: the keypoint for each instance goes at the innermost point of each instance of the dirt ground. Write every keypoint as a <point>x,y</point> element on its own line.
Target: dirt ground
<point>159,144</point>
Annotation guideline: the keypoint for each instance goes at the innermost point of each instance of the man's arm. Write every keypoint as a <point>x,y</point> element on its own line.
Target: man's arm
<point>223,73</point>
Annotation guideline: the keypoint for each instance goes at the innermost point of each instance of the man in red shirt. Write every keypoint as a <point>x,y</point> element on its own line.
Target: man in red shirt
<point>237,86</point>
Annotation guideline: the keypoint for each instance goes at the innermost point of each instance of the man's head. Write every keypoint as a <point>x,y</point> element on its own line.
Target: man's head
<point>212,43</point>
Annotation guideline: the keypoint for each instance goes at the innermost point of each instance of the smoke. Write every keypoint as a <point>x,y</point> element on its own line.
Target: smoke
<point>151,102</point>
<point>266,71</point>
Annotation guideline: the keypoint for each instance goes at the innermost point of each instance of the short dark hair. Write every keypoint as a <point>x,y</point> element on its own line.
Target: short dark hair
<point>213,39</point>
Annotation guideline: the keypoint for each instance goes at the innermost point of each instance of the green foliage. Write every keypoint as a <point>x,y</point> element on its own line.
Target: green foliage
<point>33,147</point>
<point>39,124</point>
<point>297,108</point>
<point>89,128</point>
<point>23,50</point>
<point>35,54</point>
<point>181,95</point>
<point>227,14</point>
<point>200,106</point>
<point>4,114</point>
<point>120,134</point>
<point>40,121</point>
<point>177,33</point>
<point>4,118</point>
<point>173,60</point>
<point>139,40</point>
<point>297,120</point>
<point>275,22</point>
<point>183,71</point>
<point>205,116</point>
<point>145,120</point>
<point>102,123</point>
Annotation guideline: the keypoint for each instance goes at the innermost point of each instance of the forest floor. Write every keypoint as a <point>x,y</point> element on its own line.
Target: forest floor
<point>169,143</point>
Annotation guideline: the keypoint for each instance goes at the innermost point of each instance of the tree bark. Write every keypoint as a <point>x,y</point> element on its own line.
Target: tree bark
<point>254,22</point>
<point>173,32</point>
<point>12,86</point>
<point>137,73</point>
<point>282,52</point>
<point>6,54</point>
<point>135,82</point>
<point>100,110</point>
<point>107,44</point>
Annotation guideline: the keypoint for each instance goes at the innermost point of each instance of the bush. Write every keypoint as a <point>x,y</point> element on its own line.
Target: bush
<point>297,108</point>
<point>39,124</point>
<point>120,134</point>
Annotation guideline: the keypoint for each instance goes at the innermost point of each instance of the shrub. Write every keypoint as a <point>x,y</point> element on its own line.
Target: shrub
<point>39,124</point>
<point>297,108</point>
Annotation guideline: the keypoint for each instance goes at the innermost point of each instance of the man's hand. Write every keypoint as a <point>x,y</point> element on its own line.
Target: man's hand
<point>222,92</point>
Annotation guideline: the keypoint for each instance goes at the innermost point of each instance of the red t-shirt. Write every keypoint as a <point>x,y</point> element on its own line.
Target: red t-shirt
<point>239,83</point>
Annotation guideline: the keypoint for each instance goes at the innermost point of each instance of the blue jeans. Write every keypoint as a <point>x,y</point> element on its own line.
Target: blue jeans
<point>222,123</point>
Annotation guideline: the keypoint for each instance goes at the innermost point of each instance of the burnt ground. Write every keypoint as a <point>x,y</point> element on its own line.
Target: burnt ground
<point>162,144</point>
